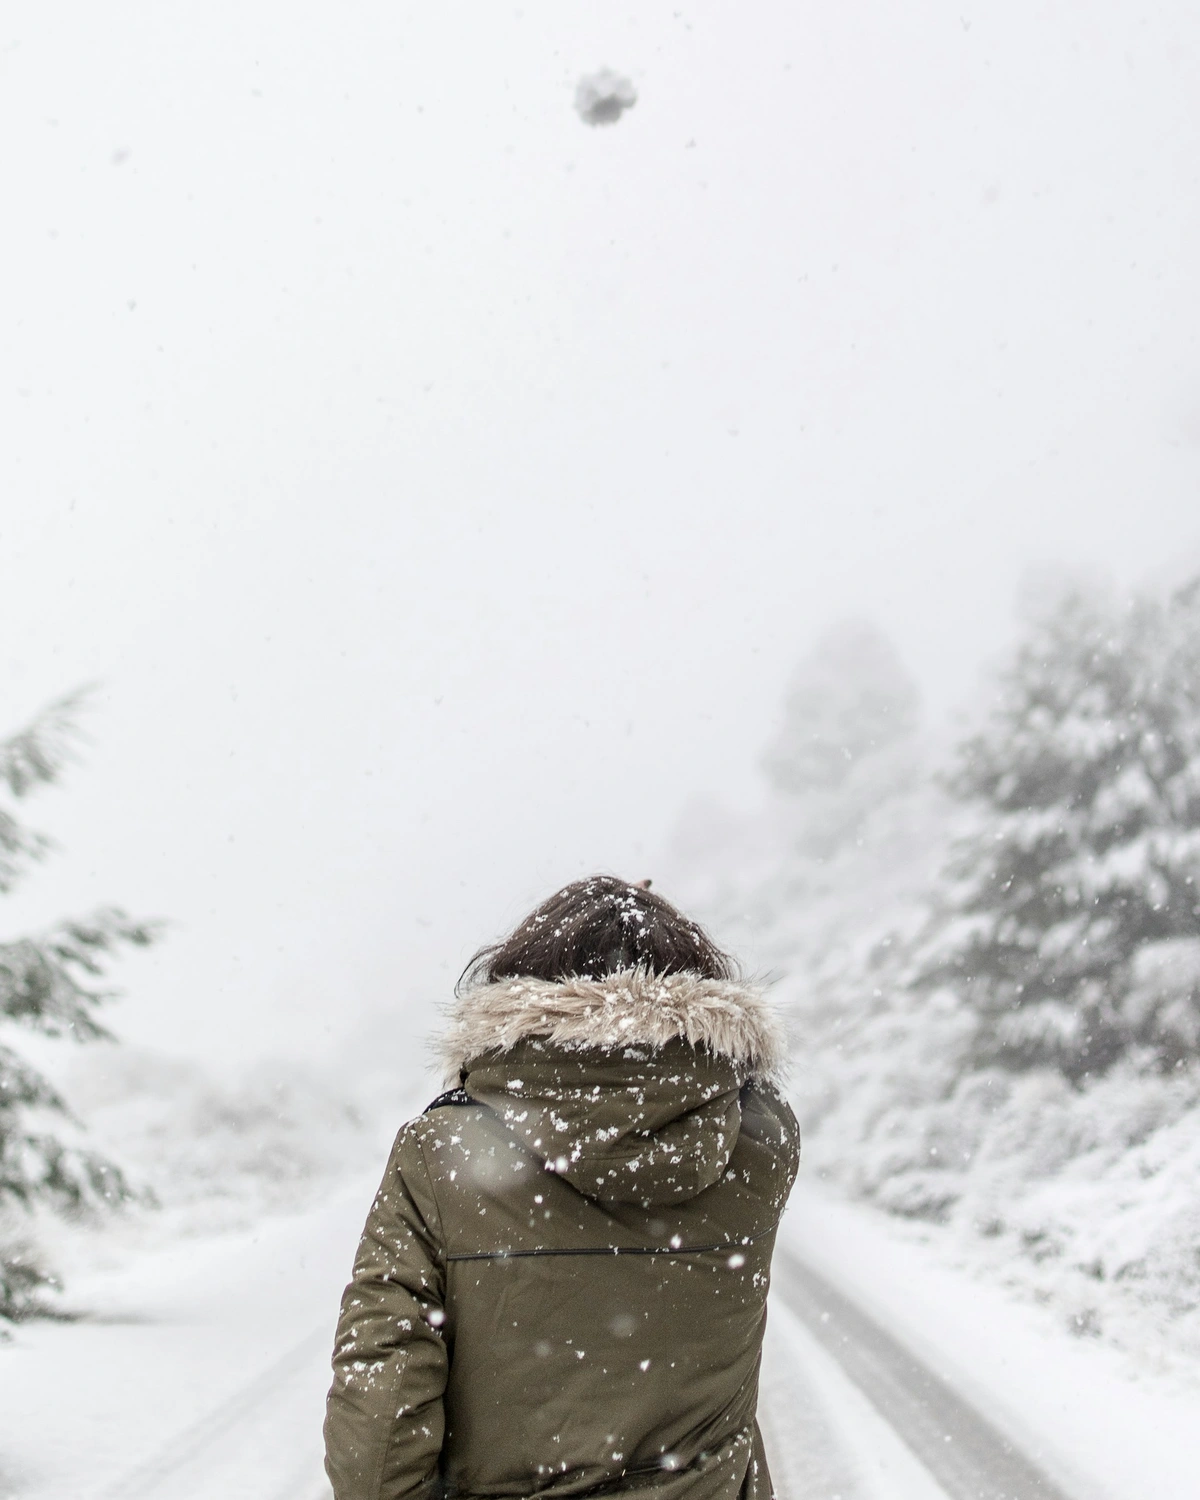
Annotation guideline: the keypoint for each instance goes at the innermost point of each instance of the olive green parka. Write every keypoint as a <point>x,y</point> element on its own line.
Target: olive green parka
<point>561,1287</point>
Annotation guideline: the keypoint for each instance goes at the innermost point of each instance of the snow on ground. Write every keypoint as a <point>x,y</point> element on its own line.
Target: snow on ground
<point>824,1439</point>
<point>197,1357</point>
<point>203,1367</point>
<point>200,1372</point>
<point>1106,1425</point>
<point>1083,1198</point>
<point>206,1156</point>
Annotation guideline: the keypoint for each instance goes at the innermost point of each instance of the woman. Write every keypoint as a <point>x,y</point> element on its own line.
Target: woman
<point>561,1288</point>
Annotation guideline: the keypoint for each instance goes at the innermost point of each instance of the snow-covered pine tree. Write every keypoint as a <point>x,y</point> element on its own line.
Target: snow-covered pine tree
<point>864,821</point>
<point>850,697</point>
<point>47,985</point>
<point>847,741</point>
<point>1072,924</point>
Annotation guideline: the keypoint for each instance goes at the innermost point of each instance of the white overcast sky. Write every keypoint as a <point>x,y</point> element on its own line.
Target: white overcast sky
<point>440,490</point>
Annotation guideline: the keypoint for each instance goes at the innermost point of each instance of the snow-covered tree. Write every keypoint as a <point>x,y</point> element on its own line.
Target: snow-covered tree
<point>823,887</point>
<point>1072,924</point>
<point>48,984</point>
<point>946,1025</point>
<point>850,697</point>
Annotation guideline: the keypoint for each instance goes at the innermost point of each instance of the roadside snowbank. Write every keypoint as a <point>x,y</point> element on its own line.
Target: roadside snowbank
<point>1084,1199</point>
<point>1109,1425</point>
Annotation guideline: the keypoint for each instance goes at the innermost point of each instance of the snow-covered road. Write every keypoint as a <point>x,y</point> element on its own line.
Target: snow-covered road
<point>270,1422</point>
<point>1097,1423</point>
<point>824,1439</point>
<point>202,1377</point>
<point>200,1373</point>
<point>953,1452</point>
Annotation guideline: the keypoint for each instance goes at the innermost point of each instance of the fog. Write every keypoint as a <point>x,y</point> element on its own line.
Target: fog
<point>439,490</point>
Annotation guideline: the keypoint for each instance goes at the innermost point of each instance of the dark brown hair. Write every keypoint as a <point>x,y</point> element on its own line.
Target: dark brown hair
<point>596,927</point>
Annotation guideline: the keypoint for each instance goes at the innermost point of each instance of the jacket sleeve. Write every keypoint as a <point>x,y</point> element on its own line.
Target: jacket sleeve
<point>384,1420</point>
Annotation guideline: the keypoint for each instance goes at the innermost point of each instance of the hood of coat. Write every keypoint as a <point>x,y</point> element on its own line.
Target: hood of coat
<point>628,1086</point>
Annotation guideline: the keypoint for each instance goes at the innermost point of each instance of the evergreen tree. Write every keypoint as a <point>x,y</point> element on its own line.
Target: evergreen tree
<point>48,984</point>
<point>848,743</point>
<point>1072,926</point>
<point>850,697</point>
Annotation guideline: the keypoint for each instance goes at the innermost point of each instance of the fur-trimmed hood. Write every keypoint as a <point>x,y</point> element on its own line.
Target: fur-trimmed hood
<point>629,1086</point>
<point>727,1018</point>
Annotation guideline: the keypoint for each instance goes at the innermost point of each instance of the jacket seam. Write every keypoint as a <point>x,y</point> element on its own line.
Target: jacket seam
<point>399,1362</point>
<point>619,1158</point>
<point>433,1198</point>
<point>400,1356</point>
<point>616,1249</point>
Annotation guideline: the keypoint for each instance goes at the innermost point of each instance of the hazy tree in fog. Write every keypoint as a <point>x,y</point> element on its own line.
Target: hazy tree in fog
<point>49,983</point>
<point>849,697</point>
<point>846,740</point>
<point>1072,927</point>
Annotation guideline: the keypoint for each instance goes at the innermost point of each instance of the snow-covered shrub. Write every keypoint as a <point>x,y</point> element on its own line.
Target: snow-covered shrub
<point>216,1151</point>
<point>206,1155</point>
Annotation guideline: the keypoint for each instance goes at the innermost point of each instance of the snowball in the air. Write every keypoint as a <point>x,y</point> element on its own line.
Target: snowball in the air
<point>602,98</point>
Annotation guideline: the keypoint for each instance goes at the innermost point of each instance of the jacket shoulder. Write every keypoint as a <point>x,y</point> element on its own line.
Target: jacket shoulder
<point>768,1118</point>
<point>424,1140</point>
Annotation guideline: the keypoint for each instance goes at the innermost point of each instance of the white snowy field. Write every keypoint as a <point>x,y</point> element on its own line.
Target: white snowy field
<point>201,1370</point>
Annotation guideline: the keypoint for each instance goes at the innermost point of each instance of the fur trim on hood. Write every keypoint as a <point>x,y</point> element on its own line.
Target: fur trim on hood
<point>731,1019</point>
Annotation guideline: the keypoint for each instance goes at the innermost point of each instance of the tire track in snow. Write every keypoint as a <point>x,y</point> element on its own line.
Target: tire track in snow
<point>969,1457</point>
<point>807,1457</point>
<point>188,1459</point>
<point>966,1455</point>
